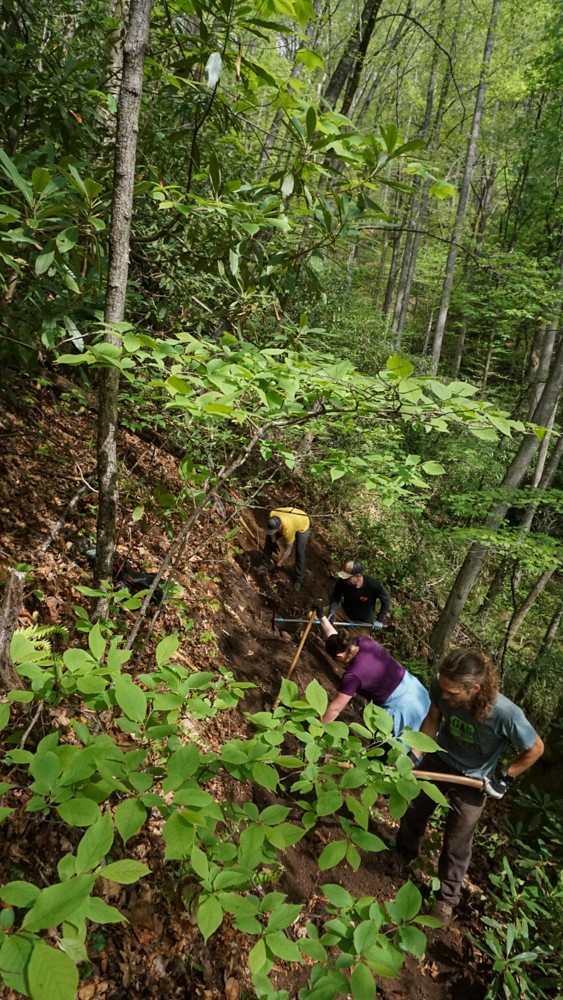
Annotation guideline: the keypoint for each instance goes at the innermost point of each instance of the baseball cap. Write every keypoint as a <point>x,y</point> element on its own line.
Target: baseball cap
<point>351,568</point>
<point>273,525</point>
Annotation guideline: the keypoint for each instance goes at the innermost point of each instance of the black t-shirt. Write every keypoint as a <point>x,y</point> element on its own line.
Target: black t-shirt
<point>359,602</point>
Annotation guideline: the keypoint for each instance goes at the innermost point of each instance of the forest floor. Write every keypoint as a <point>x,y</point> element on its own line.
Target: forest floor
<point>48,451</point>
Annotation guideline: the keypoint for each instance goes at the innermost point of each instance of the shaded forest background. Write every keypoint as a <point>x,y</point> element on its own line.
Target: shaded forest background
<point>304,252</point>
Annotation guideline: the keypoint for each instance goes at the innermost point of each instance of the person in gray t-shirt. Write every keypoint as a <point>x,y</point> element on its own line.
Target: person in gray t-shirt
<point>473,725</point>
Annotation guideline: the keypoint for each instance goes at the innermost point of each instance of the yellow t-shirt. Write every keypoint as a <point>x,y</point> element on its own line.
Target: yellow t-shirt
<point>292,520</point>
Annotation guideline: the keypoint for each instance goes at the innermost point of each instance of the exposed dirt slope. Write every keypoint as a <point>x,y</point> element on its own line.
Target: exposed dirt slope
<point>47,449</point>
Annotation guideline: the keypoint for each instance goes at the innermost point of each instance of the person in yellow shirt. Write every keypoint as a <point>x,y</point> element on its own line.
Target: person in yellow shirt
<point>292,526</point>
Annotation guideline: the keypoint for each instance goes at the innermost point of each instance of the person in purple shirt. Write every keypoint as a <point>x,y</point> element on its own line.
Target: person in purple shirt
<point>371,671</point>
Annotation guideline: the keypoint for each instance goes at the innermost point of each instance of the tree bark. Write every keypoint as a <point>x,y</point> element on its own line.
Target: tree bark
<point>464,193</point>
<point>349,66</point>
<point>469,571</point>
<point>523,693</point>
<point>9,613</point>
<point>522,610</point>
<point>129,105</point>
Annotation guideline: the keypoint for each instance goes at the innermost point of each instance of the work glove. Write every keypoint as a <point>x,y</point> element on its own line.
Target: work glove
<point>317,606</point>
<point>377,625</point>
<point>497,785</point>
<point>332,613</point>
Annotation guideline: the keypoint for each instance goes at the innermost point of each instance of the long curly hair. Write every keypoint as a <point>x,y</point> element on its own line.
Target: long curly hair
<point>468,667</point>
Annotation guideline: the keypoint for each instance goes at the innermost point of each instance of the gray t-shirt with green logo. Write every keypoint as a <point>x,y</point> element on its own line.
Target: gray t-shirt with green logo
<point>474,748</point>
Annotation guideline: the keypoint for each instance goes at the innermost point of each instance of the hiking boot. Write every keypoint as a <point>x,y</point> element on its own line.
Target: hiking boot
<point>262,570</point>
<point>297,586</point>
<point>442,911</point>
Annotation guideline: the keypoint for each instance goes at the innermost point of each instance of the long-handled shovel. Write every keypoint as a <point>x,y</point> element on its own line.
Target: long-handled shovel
<point>306,631</point>
<point>452,779</point>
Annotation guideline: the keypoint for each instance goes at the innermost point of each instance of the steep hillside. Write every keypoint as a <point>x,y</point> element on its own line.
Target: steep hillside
<point>223,613</point>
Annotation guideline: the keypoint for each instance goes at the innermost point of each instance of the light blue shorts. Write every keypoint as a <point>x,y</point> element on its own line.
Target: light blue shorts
<point>408,705</point>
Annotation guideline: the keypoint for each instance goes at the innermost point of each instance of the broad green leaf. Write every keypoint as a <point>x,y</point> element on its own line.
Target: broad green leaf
<point>15,953</point>
<point>57,903</point>
<point>129,817</point>
<point>43,262</point>
<point>130,698</point>
<point>101,913</point>
<point>310,59</point>
<point>337,895</point>
<point>265,775</point>
<point>125,872</point>
<point>5,710</point>
<point>96,642</point>
<point>332,855</point>
<point>19,893</point>
<point>199,862</point>
<point>166,648</point>
<point>95,844</point>
<point>209,916</point>
<point>433,468</point>
<point>67,239</point>
<point>328,802</point>
<point>362,983</point>
<point>408,901</point>
<point>368,841</point>
<point>412,939</point>
<point>51,974</point>
<point>317,697</point>
<point>283,947</point>
<point>364,936</point>
<point>287,185</point>
<point>79,811</point>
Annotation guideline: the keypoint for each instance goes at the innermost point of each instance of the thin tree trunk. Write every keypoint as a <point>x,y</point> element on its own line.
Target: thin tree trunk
<point>520,612</point>
<point>349,67</point>
<point>469,571</point>
<point>522,696</point>
<point>9,613</point>
<point>464,193</point>
<point>128,111</point>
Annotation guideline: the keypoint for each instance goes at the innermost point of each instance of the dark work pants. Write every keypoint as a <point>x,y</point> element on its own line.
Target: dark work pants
<point>466,807</point>
<point>299,545</point>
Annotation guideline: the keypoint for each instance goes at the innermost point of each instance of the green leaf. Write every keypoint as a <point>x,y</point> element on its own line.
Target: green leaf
<point>13,173</point>
<point>125,872</point>
<point>287,185</point>
<point>408,901</point>
<point>79,811</point>
<point>281,946</point>
<point>129,817</point>
<point>433,468</point>
<point>329,802</point>
<point>317,697</point>
<point>14,958</point>
<point>365,935</point>
<point>95,844</point>
<point>96,642</point>
<point>19,893</point>
<point>412,939</point>
<point>368,841</point>
<point>43,262</point>
<point>310,59</point>
<point>362,983</point>
<point>130,698</point>
<point>67,239</point>
<point>57,903</point>
<point>209,916</point>
<point>51,974</point>
<point>101,913</point>
<point>166,649</point>
<point>337,895</point>
<point>310,122</point>
<point>199,862</point>
<point>266,776</point>
<point>4,713</point>
<point>332,855</point>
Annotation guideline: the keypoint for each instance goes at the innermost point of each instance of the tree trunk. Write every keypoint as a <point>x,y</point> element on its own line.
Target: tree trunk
<point>9,613</point>
<point>464,193</point>
<point>349,67</point>
<point>128,111</point>
<point>520,612</point>
<point>469,571</point>
<point>523,694</point>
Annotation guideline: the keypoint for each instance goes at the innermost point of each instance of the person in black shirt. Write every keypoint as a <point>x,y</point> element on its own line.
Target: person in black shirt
<point>357,595</point>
